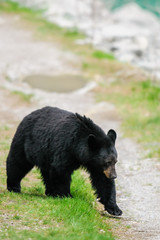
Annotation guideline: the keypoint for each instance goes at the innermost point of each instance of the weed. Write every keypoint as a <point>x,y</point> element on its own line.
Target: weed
<point>85,65</point>
<point>23,96</point>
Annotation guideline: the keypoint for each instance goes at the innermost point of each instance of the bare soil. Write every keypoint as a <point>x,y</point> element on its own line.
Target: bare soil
<point>138,188</point>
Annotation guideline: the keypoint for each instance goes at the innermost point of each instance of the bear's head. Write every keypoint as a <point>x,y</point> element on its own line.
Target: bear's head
<point>104,154</point>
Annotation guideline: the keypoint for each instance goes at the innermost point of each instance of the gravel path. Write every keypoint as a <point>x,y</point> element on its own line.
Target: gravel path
<point>138,188</point>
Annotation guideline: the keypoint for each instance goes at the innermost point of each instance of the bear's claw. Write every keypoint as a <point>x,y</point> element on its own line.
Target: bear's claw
<point>113,210</point>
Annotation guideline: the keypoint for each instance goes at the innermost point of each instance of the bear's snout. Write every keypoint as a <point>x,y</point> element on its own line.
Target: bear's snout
<point>110,172</point>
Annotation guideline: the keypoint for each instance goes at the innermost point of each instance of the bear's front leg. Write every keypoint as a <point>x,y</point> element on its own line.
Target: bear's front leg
<point>110,201</point>
<point>106,191</point>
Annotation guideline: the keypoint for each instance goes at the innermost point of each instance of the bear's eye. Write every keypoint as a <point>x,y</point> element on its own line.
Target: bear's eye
<point>107,164</point>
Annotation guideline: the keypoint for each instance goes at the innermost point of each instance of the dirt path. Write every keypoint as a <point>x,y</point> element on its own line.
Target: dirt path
<point>138,188</point>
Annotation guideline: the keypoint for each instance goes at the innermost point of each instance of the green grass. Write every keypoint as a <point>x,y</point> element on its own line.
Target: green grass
<point>102,55</point>
<point>138,102</point>
<point>23,96</point>
<point>74,34</point>
<point>32,215</point>
<point>13,7</point>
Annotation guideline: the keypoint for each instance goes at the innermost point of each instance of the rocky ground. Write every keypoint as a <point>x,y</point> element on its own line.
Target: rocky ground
<point>138,189</point>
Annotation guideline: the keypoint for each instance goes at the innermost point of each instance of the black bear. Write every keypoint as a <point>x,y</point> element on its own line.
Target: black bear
<point>59,142</point>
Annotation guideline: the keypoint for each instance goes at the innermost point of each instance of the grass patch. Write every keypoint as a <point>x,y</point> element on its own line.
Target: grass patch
<point>13,7</point>
<point>102,55</point>
<point>138,104</point>
<point>32,215</point>
<point>23,96</point>
<point>74,34</point>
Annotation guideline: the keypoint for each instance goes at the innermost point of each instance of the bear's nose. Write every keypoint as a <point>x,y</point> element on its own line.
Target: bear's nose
<point>113,176</point>
<point>113,173</point>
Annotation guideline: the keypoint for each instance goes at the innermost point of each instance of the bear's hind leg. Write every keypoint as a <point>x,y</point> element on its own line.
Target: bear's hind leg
<point>15,173</point>
<point>60,189</point>
<point>46,180</point>
<point>56,186</point>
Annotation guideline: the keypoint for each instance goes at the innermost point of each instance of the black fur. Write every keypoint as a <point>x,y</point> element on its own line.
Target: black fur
<point>59,142</point>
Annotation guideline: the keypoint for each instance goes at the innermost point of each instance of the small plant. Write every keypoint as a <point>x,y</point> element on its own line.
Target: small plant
<point>85,65</point>
<point>16,217</point>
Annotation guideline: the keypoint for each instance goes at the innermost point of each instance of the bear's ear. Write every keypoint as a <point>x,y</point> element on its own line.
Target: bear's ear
<point>112,134</point>
<point>92,141</point>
